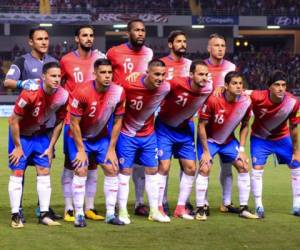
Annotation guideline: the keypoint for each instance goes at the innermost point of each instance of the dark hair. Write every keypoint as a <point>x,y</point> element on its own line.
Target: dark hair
<point>216,35</point>
<point>77,31</point>
<point>156,63</point>
<point>173,34</point>
<point>33,30</point>
<point>232,74</point>
<point>137,20</point>
<point>50,65</point>
<point>195,63</point>
<point>101,61</point>
<point>275,76</point>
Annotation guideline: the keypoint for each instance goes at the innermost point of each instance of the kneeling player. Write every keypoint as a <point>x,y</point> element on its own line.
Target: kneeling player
<point>91,106</point>
<point>271,135</point>
<point>175,131</point>
<point>218,119</point>
<point>35,126</point>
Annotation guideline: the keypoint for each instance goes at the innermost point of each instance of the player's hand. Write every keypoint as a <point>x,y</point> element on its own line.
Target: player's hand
<point>112,157</point>
<point>15,155</point>
<point>49,153</point>
<point>132,77</point>
<point>243,158</point>
<point>296,156</point>
<point>205,159</point>
<point>30,84</point>
<point>218,91</point>
<point>81,160</point>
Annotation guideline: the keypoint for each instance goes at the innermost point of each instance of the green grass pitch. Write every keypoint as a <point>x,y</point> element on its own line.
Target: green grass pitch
<point>221,231</point>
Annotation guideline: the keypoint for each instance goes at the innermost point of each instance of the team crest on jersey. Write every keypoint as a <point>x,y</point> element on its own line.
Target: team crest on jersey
<point>121,160</point>
<point>22,103</point>
<point>75,103</point>
<point>160,152</point>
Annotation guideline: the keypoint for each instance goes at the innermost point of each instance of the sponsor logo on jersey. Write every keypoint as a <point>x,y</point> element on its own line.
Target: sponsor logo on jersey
<point>75,103</point>
<point>22,103</point>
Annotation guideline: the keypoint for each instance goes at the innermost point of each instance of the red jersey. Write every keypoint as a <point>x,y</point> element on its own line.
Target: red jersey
<point>223,117</point>
<point>217,73</point>
<point>182,102</point>
<point>126,61</point>
<point>179,68</point>
<point>40,111</point>
<point>271,118</point>
<point>141,104</point>
<point>76,70</point>
<point>95,108</point>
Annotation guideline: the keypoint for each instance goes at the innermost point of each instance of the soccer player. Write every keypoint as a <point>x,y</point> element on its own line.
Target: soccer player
<point>35,126</point>
<point>175,131</point>
<point>91,106</point>
<point>26,71</point>
<point>77,68</point>
<point>218,119</point>
<point>129,59</point>
<point>272,109</point>
<point>177,66</point>
<point>218,68</point>
<point>137,139</point>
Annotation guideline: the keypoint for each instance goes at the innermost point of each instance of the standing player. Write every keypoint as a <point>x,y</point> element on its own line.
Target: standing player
<point>177,66</point>
<point>175,131</point>
<point>91,107</point>
<point>77,68</point>
<point>138,139</point>
<point>35,126</point>
<point>127,59</point>
<point>219,67</point>
<point>218,119</point>
<point>272,109</point>
<point>26,71</point>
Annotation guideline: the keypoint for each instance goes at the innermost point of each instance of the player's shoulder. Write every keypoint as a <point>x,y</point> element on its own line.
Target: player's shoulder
<point>229,65</point>
<point>49,58</point>
<point>98,54</point>
<point>291,96</point>
<point>67,57</point>
<point>178,80</point>
<point>259,95</point>
<point>63,93</point>
<point>117,48</point>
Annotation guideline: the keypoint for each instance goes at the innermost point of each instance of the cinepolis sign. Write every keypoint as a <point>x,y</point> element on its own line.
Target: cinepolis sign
<point>215,20</point>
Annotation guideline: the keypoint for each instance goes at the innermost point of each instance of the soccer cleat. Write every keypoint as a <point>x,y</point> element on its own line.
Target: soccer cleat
<point>260,212</point>
<point>141,210</point>
<point>182,212</point>
<point>201,214</point>
<point>21,214</point>
<point>229,209</point>
<point>296,211</point>
<point>245,213</point>
<point>166,208</point>
<point>124,216</point>
<point>113,220</point>
<point>16,221</point>
<point>189,208</point>
<point>69,216</point>
<point>92,214</point>
<point>45,219</point>
<point>206,209</point>
<point>80,221</point>
<point>53,215</point>
<point>158,216</point>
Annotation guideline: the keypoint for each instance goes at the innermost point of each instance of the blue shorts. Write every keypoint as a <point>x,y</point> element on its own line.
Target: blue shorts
<point>94,148</point>
<point>282,148</point>
<point>66,135</point>
<point>142,150</point>
<point>228,152</point>
<point>175,141</point>
<point>33,147</point>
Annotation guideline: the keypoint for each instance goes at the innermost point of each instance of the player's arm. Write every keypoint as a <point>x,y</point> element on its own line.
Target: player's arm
<point>206,157</point>
<point>17,153</point>
<point>244,130</point>
<point>294,136</point>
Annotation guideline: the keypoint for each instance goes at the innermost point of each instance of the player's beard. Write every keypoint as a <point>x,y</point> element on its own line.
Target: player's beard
<point>179,52</point>
<point>85,48</point>
<point>137,44</point>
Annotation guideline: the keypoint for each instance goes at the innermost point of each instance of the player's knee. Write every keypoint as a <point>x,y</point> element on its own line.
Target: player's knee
<point>205,170</point>
<point>18,173</point>
<point>110,171</point>
<point>163,168</point>
<point>126,171</point>
<point>189,170</point>
<point>151,171</point>
<point>42,171</point>
<point>82,172</point>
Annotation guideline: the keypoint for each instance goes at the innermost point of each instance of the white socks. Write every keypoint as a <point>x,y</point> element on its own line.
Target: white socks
<point>123,190</point>
<point>91,188</point>
<point>295,174</point>
<point>226,182</point>
<point>43,186</point>
<point>244,188</point>
<point>162,182</point>
<point>138,177</point>
<point>257,186</point>
<point>201,189</point>
<point>15,192</point>
<point>151,186</point>
<point>66,182</point>
<point>185,189</point>
<point>78,189</point>
<point>111,186</point>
